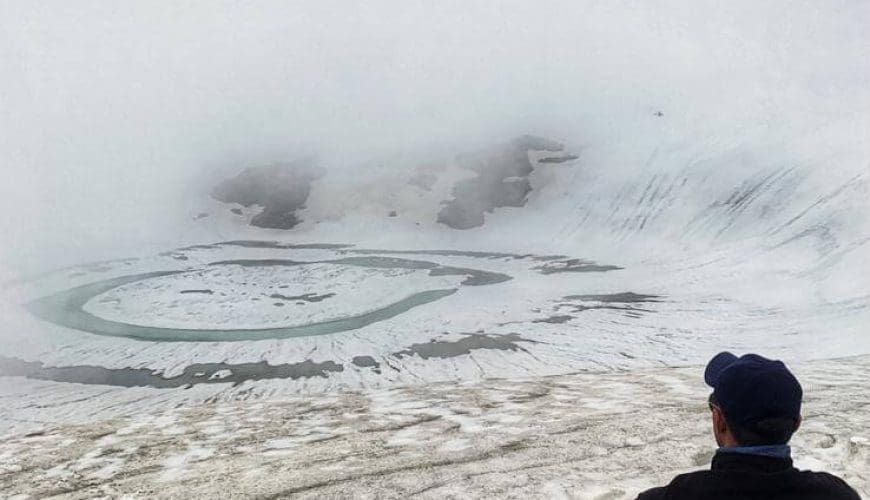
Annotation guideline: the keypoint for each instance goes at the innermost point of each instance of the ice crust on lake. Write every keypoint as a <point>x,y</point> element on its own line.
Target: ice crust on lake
<point>234,296</point>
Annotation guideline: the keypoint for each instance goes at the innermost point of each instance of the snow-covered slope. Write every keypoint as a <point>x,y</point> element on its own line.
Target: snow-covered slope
<point>570,436</point>
<point>745,245</point>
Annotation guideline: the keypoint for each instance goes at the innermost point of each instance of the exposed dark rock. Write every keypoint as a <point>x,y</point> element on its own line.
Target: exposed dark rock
<point>460,253</point>
<point>281,190</point>
<point>614,301</point>
<point>367,362</point>
<point>574,266</point>
<point>200,373</point>
<point>557,320</point>
<point>625,297</point>
<point>558,159</point>
<point>501,181</point>
<point>384,262</point>
<point>393,213</point>
<point>306,297</point>
<point>463,346</point>
<point>277,245</point>
<point>237,211</point>
<point>205,291</point>
<point>275,219</point>
<point>578,308</point>
<point>201,215</point>
<point>197,247</point>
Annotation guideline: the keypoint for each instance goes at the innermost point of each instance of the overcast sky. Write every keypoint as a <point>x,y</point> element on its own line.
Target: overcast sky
<point>111,111</point>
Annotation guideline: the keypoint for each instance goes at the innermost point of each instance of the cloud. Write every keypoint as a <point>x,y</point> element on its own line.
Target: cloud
<point>116,111</point>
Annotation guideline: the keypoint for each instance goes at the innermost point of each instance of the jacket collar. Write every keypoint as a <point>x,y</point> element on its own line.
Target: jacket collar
<point>772,450</point>
<point>755,463</point>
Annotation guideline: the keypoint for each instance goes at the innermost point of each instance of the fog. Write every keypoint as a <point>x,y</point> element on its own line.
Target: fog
<point>112,115</point>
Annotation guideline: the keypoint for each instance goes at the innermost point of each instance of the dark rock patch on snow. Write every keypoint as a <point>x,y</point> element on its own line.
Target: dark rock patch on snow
<point>277,245</point>
<point>281,189</point>
<point>305,297</point>
<point>460,253</point>
<point>463,346</point>
<point>367,362</point>
<point>574,266</point>
<point>384,262</point>
<point>555,320</point>
<point>558,159</point>
<point>502,180</point>
<point>625,297</point>
<point>614,301</point>
<point>276,219</point>
<point>197,247</point>
<point>199,373</point>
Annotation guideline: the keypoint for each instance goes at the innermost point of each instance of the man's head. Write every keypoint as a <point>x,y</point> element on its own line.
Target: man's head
<point>755,401</point>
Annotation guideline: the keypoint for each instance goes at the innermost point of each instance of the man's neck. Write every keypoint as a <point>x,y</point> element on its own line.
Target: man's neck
<point>770,450</point>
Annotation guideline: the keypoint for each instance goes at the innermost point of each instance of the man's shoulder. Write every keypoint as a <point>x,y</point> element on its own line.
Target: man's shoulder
<point>813,485</point>
<point>677,485</point>
<point>830,484</point>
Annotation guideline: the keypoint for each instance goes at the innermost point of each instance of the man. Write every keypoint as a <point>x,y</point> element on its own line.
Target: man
<point>756,407</point>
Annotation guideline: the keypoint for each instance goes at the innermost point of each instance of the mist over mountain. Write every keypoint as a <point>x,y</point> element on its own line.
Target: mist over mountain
<point>117,117</point>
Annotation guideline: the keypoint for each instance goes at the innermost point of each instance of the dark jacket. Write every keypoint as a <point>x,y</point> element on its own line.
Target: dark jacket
<point>750,477</point>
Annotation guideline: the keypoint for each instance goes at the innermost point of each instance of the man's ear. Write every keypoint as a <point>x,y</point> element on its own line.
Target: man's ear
<point>797,423</point>
<point>719,422</point>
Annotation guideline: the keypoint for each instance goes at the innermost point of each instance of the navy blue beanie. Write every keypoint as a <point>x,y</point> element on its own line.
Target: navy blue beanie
<point>753,388</point>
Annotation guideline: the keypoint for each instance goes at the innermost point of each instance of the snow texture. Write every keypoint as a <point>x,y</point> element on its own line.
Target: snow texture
<point>592,435</point>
